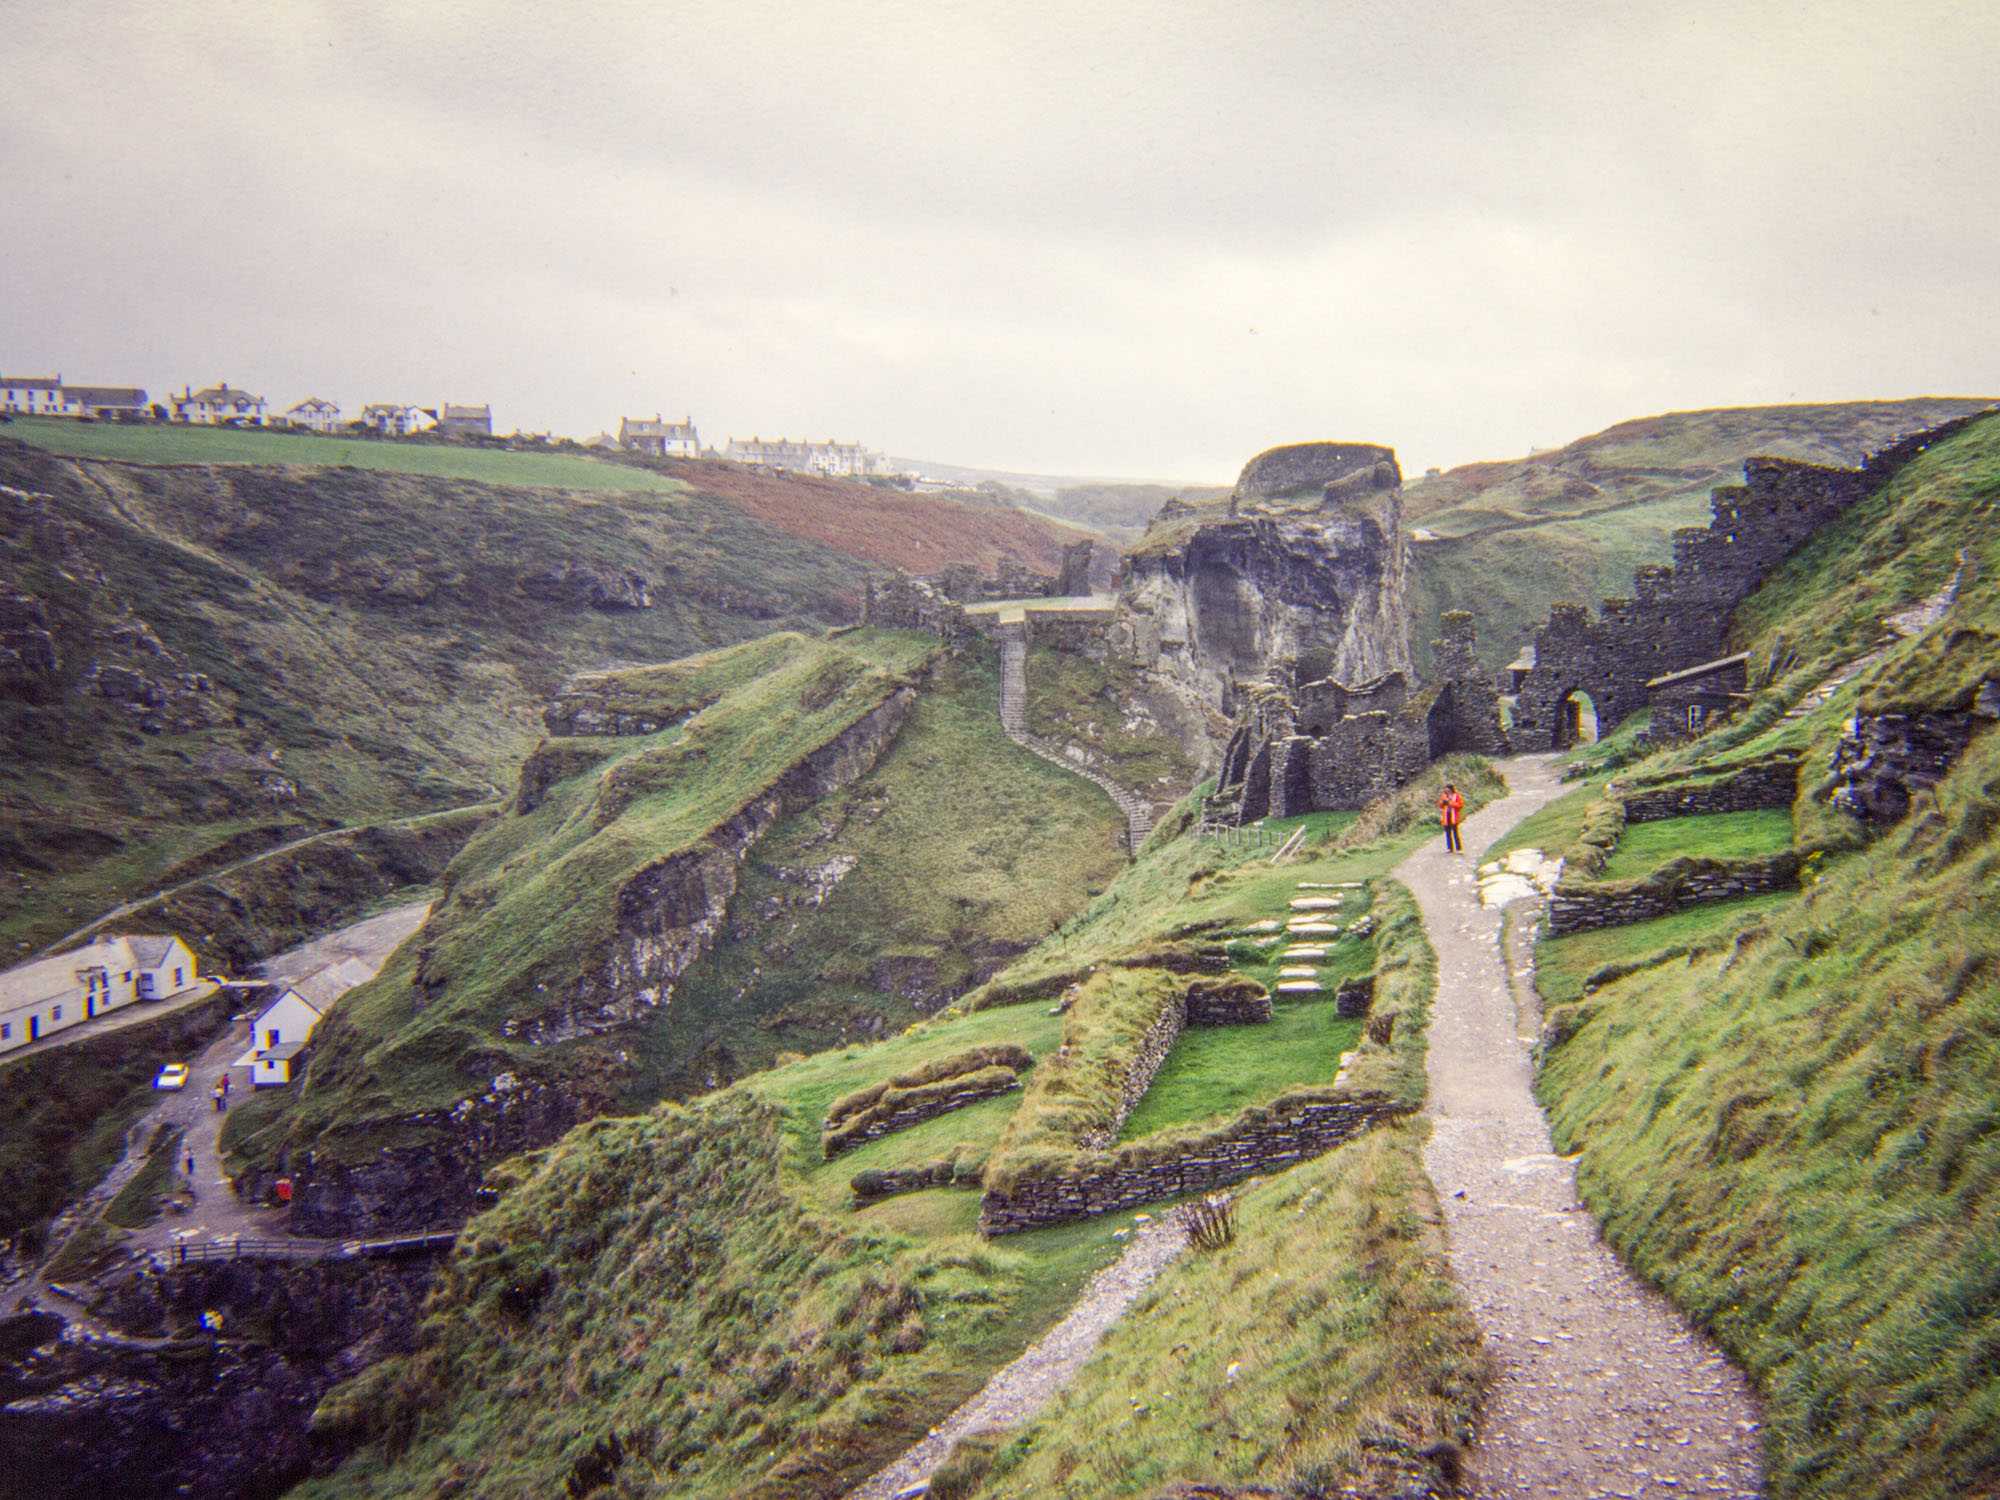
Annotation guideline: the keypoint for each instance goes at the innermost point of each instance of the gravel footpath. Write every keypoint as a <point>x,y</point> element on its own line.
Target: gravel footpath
<point>1601,1387</point>
<point>1023,1388</point>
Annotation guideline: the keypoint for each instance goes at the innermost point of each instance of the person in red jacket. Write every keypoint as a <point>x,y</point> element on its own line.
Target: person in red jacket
<point>1451,808</point>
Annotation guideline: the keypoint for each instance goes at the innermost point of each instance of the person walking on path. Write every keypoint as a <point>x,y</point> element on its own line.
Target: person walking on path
<point>1451,810</point>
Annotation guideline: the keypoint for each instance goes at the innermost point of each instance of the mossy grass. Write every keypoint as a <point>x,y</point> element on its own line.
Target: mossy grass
<point>1079,700</point>
<point>1565,966</point>
<point>1220,1070</point>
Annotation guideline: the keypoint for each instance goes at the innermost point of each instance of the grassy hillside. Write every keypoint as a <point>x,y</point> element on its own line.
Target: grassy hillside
<point>532,909</point>
<point>699,1284</point>
<point>1514,536</point>
<point>905,889</point>
<point>1786,1107</point>
<point>373,643</point>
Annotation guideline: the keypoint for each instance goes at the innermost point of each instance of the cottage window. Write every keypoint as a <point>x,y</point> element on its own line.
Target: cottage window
<point>6,1030</point>
<point>56,1014</point>
<point>179,981</point>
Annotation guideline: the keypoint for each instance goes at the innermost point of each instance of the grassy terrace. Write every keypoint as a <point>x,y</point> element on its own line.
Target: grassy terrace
<point>1644,847</point>
<point>1221,1070</point>
<point>222,445</point>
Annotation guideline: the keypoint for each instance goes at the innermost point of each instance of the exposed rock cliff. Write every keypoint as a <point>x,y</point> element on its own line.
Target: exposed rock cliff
<point>1212,600</point>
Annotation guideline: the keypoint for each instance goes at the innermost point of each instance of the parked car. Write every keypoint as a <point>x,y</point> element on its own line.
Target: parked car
<point>172,1076</point>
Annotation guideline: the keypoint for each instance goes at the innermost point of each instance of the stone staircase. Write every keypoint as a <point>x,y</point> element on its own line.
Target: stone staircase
<point>1013,638</point>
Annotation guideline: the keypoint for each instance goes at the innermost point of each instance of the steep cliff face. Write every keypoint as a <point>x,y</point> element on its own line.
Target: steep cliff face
<point>1212,600</point>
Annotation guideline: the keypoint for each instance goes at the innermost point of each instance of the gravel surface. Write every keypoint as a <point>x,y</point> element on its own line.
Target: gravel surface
<point>1601,1387</point>
<point>1023,1388</point>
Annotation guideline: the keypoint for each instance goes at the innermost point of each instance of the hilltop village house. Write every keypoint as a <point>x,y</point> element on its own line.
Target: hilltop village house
<point>465,421</point>
<point>845,459</point>
<point>54,994</point>
<point>660,438</point>
<point>47,396</point>
<point>33,395</point>
<point>284,1028</point>
<point>389,419</point>
<point>315,414</point>
<point>218,405</point>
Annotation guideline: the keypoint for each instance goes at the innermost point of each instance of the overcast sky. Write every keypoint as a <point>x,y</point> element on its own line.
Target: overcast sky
<point>1142,240</point>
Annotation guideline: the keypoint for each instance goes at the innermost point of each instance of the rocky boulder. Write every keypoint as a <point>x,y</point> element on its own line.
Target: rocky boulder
<point>1310,468</point>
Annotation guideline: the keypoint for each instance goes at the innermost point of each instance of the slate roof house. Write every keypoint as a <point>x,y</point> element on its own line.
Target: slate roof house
<point>284,1028</point>
<point>391,419</point>
<point>108,403</point>
<point>465,421</point>
<point>802,458</point>
<point>54,994</point>
<point>33,395</point>
<point>218,405</point>
<point>662,439</point>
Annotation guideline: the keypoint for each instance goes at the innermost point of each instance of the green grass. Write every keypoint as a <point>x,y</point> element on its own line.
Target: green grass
<point>1644,847</point>
<point>1801,1149</point>
<point>1321,1353</point>
<point>219,445</point>
<point>1556,829</point>
<point>137,1204</point>
<point>1564,964</point>
<point>1220,1070</point>
<point>963,850</point>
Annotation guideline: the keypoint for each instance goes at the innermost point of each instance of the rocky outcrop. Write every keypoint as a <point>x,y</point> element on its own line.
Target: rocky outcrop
<point>1308,468</point>
<point>1218,606</point>
<point>151,1407</point>
<point>581,586</point>
<point>1884,760</point>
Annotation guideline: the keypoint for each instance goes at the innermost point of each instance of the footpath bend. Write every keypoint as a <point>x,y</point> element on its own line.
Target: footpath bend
<point>1602,1389</point>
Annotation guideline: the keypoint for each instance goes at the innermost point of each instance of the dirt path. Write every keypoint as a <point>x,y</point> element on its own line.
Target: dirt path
<point>1602,1389</point>
<point>1023,1388</point>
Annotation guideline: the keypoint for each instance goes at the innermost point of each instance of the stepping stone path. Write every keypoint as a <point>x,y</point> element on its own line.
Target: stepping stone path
<point>1303,953</point>
<point>1525,872</point>
<point>1301,987</point>
<point>1298,971</point>
<point>1315,928</point>
<point>1601,1387</point>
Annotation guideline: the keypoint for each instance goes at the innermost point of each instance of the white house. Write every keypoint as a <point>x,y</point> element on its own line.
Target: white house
<point>53,994</point>
<point>283,1028</point>
<point>392,420</point>
<point>218,405</point>
<point>34,396</point>
<point>316,414</point>
<point>848,459</point>
<point>660,438</point>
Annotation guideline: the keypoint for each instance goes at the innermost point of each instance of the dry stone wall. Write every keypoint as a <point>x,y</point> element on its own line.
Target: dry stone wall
<point>1768,784</point>
<point>925,1103</point>
<point>1684,883</point>
<point>1290,1131</point>
<point>1884,760</point>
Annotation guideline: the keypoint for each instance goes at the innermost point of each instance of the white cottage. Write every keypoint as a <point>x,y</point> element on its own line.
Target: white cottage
<point>35,395</point>
<point>315,414</point>
<point>218,405</point>
<point>284,1028</point>
<point>54,994</point>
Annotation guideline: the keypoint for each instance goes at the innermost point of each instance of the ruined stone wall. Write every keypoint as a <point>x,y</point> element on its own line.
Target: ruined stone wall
<point>1884,760</point>
<point>906,603</point>
<point>1472,701</point>
<point>1685,883</point>
<point>1679,616</point>
<point>1768,784</point>
<point>1289,1131</point>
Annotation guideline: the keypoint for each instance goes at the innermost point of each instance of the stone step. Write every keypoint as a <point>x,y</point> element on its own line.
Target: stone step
<point>1316,903</point>
<point>1301,987</point>
<point>1298,971</point>
<point>1303,953</point>
<point>1312,929</point>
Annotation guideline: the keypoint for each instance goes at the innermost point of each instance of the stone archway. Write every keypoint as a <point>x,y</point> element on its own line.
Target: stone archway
<point>1576,719</point>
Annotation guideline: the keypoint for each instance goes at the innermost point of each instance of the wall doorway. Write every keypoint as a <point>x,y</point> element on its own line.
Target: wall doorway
<point>1576,720</point>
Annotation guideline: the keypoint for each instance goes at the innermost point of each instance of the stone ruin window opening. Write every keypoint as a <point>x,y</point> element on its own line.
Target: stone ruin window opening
<point>1576,720</point>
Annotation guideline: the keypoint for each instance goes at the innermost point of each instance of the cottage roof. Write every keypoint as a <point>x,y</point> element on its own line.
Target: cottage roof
<point>631,427</point>
<point>224,394</point>
<point>314,403</point>
<point>32,382</point>
<point>324,986</point>
<point>284,1051</point>
<point>449,413</point>
<point>52,978</point>
<point>150,951</point>
<point>105,395</point>
<point>1706,669</point>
